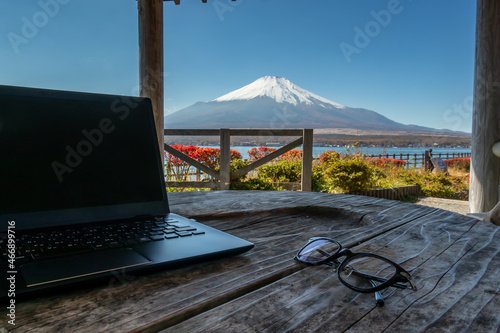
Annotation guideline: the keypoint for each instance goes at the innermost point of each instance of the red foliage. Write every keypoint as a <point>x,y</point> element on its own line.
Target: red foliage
<point>292,155</point>
<point>458,162</point>
<point>207,156</point>
<point>386,162</point>
<point>257,153</point>
<point>235,155</point>
<point>328,157</point>
<point>190,151</point>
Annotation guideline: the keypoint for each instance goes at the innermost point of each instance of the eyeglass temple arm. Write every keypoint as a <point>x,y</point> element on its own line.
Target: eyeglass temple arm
<point>378,297</point>
<point>372,278</point>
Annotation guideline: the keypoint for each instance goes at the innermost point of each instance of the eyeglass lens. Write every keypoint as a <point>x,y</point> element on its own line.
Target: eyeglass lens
<point>366,272</point>
<point>318,250</point>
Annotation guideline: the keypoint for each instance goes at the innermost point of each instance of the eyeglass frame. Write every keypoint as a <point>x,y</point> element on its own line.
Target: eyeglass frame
<point>401,276</point>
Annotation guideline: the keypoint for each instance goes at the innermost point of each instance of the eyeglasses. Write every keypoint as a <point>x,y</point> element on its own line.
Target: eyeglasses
<point>361,272</point>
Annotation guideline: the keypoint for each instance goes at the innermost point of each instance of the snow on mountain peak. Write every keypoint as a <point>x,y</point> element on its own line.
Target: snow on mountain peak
<point>278,88</point>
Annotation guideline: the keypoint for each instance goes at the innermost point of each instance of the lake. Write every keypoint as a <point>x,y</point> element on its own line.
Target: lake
<point>243,150</point>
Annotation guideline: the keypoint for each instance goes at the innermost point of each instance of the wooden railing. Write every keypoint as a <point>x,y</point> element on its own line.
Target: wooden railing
<point>224,176</point>
<point>417,160</point>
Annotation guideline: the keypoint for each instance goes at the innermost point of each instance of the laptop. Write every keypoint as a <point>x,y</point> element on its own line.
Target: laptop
<point>82,194</point>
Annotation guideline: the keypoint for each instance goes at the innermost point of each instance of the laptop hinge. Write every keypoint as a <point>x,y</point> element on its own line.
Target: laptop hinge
<point>147,217</point>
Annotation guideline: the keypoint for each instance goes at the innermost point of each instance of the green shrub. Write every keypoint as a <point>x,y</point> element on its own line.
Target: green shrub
<point>351,175</point>
<point>319,183</point>
<point>433,185</point>
<point>328,157</point>
<point>187,189</point>
<point>260,183</point>
<point>281,171</point>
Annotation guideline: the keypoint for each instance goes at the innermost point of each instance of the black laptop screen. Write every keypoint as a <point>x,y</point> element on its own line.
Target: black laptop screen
<point>62,151</point>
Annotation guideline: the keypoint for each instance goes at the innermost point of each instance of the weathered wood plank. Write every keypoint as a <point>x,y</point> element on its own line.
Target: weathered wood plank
<point>212,185</point>
<point>263,287</point>
<point>175,300</point>
<point>454,261</point>
<point>266,132</point>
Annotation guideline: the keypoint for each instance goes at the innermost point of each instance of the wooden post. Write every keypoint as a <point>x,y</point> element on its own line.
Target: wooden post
<point>225,158</point>
<point>485,167</point>
<point>307,157</point>
<point>151,59</point>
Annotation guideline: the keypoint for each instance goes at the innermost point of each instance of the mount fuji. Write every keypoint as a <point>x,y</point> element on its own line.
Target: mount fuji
<point>276,102</point>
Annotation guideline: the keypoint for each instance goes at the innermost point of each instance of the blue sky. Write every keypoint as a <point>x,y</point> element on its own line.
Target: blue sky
<point>410,60</point>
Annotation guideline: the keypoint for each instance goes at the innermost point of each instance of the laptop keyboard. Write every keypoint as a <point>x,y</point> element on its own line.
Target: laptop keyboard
<point>43,245</point>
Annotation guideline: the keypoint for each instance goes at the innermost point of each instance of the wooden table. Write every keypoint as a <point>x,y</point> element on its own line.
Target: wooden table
<point>453,259</point>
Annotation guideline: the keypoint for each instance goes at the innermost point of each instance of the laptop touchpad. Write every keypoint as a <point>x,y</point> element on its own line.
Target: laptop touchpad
<point>60,269</point>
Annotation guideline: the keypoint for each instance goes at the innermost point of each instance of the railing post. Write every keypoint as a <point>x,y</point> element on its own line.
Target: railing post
<point>225,158</point>
<point>307,157</point>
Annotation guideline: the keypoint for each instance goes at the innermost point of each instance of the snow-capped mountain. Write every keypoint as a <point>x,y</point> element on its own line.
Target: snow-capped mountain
<point>276,102</point>
<point>278,88</point>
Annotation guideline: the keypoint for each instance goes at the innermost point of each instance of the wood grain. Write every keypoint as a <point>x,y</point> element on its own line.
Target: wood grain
<point>485,166</point>
<point>151,78</point>
<point>307,159</point>
<point>453,258</point>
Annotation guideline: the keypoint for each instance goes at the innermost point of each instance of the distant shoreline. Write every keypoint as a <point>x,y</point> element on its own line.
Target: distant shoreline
<point>364,132</point>
<point>364,140</point>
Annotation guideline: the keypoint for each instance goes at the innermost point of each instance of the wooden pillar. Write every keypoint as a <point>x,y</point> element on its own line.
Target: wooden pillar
<point>151,59</point>
<point>225,159</point>
<point>485,167</point>
<point>307,158</point>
